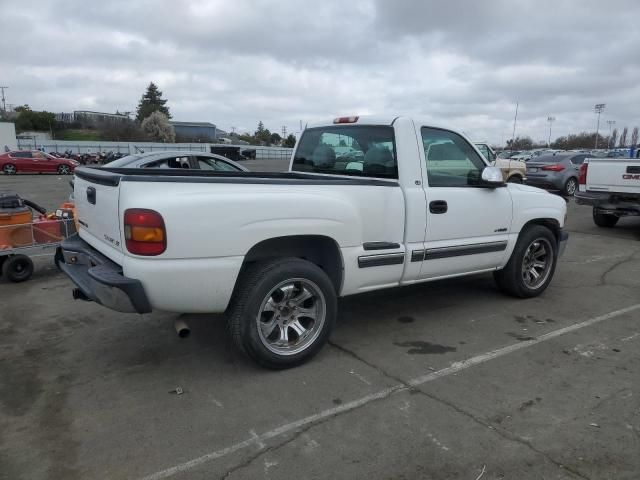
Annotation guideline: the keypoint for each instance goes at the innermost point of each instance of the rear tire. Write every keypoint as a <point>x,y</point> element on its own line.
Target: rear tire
<point>571,187</point>
<point>9,169</point>
<point>514,179</point>
<point>532,264</point>
<point>17,268</point>
<point>604,220</point>
<point>282,312</point>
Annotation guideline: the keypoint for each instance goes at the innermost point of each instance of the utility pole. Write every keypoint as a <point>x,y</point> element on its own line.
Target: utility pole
<point>599,108</point>
<point>284,132</point>
<point>515,119</point>
<point>4,105</point>
<point>611,124</point>
<point>550,120</point>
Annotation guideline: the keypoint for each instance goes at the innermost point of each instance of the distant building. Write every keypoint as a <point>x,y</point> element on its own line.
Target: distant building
<point>89,117</point>
<point>195,131</point>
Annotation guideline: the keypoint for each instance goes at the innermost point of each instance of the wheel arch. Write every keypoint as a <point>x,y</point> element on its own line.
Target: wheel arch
<point>551,223</point>
<point>321,250</point>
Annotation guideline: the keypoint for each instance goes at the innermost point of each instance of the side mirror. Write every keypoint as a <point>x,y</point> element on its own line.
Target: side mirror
<point>492,177</point>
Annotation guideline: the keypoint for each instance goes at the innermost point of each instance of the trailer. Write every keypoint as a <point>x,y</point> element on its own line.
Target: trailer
<point>27,231</point>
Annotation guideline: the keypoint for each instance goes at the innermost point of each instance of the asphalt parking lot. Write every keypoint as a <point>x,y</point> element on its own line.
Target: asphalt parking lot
<point>435,381</point>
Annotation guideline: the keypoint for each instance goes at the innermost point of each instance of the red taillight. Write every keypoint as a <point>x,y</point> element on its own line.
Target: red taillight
<point>553,168</point>
<point>345,120</point>
<point>144,232</point>
<point>582,176</point>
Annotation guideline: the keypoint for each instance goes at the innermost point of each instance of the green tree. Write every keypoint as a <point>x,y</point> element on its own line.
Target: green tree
<point>151,101</point>
<point>263,135</point>
<point>29,120</point>
<point>290,141</point>
<point>157,127</point>
<point>275,138</point>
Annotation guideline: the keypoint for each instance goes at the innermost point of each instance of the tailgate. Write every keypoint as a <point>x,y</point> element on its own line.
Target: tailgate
<point>96,194</point>
<point>614,175</point>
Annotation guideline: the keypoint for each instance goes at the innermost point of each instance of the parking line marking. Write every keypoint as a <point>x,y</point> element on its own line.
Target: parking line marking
<point>387,392</point>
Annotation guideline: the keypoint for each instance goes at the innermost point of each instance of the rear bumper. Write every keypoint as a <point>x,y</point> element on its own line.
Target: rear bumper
<point>99,279</point>
<point>609,203</point>
<point>545,182</point>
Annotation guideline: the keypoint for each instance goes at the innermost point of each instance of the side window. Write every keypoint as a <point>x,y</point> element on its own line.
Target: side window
<point>38,155</point>
<point>361,150</point>
<point>159,164</point>
<point>451,161</point>
<point>484,150</point>
<point>578,159</point>
<point>206,163</point>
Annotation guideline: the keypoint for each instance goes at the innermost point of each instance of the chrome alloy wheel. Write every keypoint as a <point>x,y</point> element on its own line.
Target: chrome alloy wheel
<point>537,263</point>
<point>291,316</point>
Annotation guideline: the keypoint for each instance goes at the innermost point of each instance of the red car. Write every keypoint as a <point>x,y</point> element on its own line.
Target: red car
<point>34,161</point>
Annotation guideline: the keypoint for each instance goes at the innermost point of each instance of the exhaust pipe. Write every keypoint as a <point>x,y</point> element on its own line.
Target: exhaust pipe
<point>182,328</point>
<point>79,295</point>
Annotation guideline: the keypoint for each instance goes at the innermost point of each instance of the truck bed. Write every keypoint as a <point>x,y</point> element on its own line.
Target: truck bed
<point>113,177</point>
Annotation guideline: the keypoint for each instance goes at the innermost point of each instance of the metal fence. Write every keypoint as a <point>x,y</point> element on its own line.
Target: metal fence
<point>61,146</point>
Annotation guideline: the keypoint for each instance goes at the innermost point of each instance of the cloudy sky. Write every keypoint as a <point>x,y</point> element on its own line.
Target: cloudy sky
<point>458,63</point>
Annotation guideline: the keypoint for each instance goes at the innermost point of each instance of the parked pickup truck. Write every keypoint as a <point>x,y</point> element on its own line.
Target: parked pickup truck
<point>612,187</point>
<point>275,250</point>
<point>513,171</point>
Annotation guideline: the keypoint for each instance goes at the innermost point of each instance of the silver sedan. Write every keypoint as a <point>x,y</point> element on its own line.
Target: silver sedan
<point>556,172</point>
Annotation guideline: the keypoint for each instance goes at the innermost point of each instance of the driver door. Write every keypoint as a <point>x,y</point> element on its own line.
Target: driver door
<point>468,225</point>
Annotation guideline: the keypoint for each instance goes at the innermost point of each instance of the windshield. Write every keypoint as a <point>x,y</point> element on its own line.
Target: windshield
<point>367,151</point>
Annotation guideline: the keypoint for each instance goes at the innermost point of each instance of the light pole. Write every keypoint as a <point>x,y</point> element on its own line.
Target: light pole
<point>598,109</point>
<point>611,123</point>
<point>550,120</point>
<point>4,105</point>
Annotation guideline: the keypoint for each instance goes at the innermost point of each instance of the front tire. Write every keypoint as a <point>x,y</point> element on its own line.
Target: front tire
<point>282,312</point>
<point>604,220</point>
<point>532,264</point>
<point>64,170</point>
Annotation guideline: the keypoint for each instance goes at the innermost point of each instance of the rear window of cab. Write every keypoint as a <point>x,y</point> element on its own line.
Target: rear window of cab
<point>362,150</point>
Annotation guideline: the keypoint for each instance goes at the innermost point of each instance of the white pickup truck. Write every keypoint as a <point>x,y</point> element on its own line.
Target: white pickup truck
<point>414,203</point>
<point>612,187</point>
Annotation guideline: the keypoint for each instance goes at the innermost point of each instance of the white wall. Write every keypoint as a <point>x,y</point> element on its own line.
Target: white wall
<point>8,136</point>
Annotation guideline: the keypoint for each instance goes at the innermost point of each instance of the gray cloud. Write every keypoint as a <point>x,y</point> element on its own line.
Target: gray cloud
<point>454,62</point>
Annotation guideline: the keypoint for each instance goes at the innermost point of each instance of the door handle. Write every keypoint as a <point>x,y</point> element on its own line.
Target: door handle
<point>438,206</point>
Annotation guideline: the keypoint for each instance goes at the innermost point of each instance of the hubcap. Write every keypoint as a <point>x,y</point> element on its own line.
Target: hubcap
<point>291,316</point>
<point>571,187</point>
<point>9,169</point>
<point>64,169</point>
<point>537,262</point>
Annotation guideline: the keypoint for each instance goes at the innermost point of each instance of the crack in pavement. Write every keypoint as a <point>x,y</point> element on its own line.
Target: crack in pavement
<point>273,448</point>
<point>505,434</point>
<point>602,279</point>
